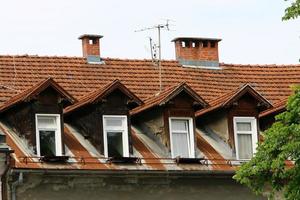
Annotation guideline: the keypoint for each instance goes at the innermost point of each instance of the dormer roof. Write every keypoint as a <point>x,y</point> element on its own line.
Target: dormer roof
<point>32,92</point>
<point>168,94</point>
<point>233,96</point>
<point>98,94</point>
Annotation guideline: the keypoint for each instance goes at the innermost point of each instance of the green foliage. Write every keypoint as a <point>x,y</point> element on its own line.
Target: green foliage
<point>293,11</point>
<point>269,168</point>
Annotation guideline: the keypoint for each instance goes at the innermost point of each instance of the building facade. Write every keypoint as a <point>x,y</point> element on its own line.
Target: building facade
<point>102,128</point>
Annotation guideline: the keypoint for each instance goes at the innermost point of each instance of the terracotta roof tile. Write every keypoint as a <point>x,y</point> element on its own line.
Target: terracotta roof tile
<point>79,78</point>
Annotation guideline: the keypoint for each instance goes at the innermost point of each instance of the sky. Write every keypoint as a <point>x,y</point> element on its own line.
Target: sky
<point>252,31</point>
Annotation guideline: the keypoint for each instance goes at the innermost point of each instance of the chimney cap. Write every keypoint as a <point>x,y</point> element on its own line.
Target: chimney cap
<point>90,36</point>
<point>195,39</point>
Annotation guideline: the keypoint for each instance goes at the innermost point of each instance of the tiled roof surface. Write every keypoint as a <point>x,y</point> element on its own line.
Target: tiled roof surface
<point>18,73</point>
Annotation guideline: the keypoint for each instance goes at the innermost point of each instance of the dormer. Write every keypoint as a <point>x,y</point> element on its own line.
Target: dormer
<point>36,115</point>
<point>102,117</point>
<point>168,118</point>
<point>233,117</point>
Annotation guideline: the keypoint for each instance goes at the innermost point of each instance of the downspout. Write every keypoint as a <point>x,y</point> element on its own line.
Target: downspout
<point>1,183</point>
<point>14,186</point>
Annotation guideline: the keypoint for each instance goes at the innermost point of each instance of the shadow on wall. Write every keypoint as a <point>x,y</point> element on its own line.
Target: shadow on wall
<point>112,187</point>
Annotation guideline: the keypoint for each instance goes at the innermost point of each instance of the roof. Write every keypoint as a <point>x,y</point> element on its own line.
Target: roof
<point>166,95</point>
<point>22,77</point>
<point>229,98</point>
<point>97,95</point>
<point>35,90</point>
<point>78,78</point>
<point>83,156</point>
<point>195,39</point>
<point>277,108</point>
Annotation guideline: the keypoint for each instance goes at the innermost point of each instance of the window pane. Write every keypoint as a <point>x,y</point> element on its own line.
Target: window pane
<point>179,125</point>
<point>245,146</point>
<point>114,122</point>
<point>46,122</point>
<point>243,126</point>
<point>115,144</point>
<point>47,143</point>
<point>180,145</point>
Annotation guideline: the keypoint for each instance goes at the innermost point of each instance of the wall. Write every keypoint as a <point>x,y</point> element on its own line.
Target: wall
<point>217,122</point>
<point>151,123</point>
<point>22,117</point>
<point>247,107</point>
<point>89,122</point>
<point>179,106</point>
<point>156,120</point>
<point>115,187</point>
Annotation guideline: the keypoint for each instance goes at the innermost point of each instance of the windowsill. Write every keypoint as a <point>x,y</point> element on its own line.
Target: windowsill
<point>180,160</point>
<point>54,159</point>
<point>124,160</point>
<point>239,162</point>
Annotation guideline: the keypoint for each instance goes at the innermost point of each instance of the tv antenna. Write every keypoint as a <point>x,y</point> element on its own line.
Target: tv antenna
<point>158,27</point>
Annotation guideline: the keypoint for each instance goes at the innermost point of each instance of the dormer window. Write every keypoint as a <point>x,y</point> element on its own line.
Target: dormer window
<point>245,133</point>
<point>48,135</point>
<point>182,137</point>
<point>115,131</point>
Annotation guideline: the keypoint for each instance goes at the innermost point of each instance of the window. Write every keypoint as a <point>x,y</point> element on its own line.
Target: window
<point>182,137</point>
<point>245,133</point>
<point>48,135</point>
<point>115,132</point>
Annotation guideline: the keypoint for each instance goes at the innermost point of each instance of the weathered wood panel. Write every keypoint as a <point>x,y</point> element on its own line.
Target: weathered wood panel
<point>22,117</point>
<point>247,107</point>
<point>89,119</point>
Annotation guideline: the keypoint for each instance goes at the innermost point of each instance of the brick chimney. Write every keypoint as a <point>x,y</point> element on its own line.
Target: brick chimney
<point>90,45</point>
<point>198,52</point>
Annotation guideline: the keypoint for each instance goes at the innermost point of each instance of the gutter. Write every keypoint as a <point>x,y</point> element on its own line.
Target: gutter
<point>170,173</point>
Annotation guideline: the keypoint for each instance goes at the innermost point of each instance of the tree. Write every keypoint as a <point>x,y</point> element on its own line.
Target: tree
<point>293,11</point>
<point>270,168</point>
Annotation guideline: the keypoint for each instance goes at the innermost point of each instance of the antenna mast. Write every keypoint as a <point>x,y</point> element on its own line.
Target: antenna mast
<point>159,27</point>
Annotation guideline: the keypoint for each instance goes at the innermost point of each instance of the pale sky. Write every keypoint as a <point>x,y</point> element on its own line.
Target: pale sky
<point>252,30</point>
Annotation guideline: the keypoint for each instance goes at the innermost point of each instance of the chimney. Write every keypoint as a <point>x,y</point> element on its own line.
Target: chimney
<point>197,52</point>
<point>91,47</point>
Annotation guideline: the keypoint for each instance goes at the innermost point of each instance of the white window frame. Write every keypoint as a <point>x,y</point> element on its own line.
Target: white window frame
<point>58,142</point>
<point>124,131</point>
<point>191,141</point>
<point>254,133</point>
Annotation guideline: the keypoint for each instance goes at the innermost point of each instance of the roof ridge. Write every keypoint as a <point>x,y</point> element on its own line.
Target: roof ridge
<point>81,57</point>
<point>39,56</point>
<point>222,64</point>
